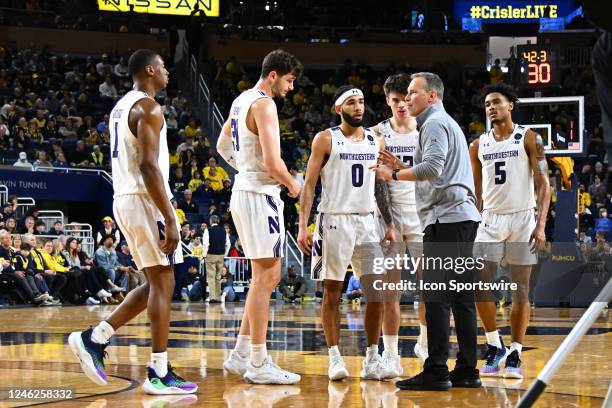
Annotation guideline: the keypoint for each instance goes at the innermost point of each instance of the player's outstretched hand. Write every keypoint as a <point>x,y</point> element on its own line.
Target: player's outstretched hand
<point>537,240</point>
<point>294,189</point>
<point>389,159</point>
<point>382,172</point>
<point>304,240</point>
<point>171,238</point>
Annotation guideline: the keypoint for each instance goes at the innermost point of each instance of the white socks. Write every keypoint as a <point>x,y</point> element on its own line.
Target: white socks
<point>159,363</point>
<point>258,354</point>
<point>102,332</point>
<point>243,345</point>
<point>493,339</point>
<point>516,346</point>
<point>390,342</point>
<point>372,352</point>
<point>333,351</point>
<point>422,340</point>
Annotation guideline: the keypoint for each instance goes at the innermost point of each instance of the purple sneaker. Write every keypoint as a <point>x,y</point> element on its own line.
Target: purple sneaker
<point>90,354</point>
<point>171,384</point>
<point>495,357</point>
<point>513,366</point>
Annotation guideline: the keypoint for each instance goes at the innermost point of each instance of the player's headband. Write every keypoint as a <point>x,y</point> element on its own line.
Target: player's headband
<point>348,94</point>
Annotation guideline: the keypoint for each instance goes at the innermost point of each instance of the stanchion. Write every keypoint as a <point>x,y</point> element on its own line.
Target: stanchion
<point>565,349</point>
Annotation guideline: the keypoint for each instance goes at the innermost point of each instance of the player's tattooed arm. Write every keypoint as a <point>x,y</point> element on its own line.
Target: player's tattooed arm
<point>476,172</point>
<point>534,146</point>
<point>383,200</point>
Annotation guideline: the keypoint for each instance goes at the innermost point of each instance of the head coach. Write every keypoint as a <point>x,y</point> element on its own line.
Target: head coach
<point>446,205</point>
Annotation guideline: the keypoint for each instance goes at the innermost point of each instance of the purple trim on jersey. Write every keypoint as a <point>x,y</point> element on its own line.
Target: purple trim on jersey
<point>277,248</point>
<point>161,228</point>
<point>271,203</point>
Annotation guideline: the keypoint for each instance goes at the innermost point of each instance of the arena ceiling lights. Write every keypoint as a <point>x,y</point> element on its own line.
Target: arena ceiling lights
<point>170,7</point>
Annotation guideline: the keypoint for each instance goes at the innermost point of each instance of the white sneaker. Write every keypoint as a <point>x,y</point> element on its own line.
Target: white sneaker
<point>103,294</point>
<point>337,370</point>
<point>91,301</point>
<point>235,363</point>
<point>375,369</point>
<point>421,352</point>
<point>393,363</point>
<point>269,373</point>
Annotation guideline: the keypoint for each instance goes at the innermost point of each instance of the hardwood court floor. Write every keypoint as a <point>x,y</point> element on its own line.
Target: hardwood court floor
<point>33,354</point>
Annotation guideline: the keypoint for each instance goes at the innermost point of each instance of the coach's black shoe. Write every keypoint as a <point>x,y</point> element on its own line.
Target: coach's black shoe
<point>425,382</point>
<point>465,378</point>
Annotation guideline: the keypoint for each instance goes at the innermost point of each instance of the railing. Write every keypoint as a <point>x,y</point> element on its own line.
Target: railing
<point>107,177</point>
<point>240,269</point>
<point>23,205</point>
<point>50,217</point>
<point>3,194</point>
<point>293,251</point>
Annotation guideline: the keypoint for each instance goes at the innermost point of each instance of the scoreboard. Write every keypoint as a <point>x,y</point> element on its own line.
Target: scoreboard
<point>538,65</point>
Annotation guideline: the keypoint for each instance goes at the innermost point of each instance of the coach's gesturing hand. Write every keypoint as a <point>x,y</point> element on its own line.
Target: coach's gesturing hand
<point>171,238</point>
<point>304,240</point>
<point>383,172</point>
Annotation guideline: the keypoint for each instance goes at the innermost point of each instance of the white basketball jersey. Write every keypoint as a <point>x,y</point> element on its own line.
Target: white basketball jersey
<point>346,180</point>
<point>507,177</point>
<point>402,146</point>
<point>127,178</point>
<point>252,173</point>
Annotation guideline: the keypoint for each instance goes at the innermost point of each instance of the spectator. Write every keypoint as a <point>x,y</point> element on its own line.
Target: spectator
<point>476,127</point>
<point>597,190</point>
<point>205,192</point>
<point>192,130</point>
<point>60,161</point>
<point>41,160</point>
<point>104,68</point>
<point>23,162</point>
<point>195,182</point>
<point>108,228</point>
<point>353,291</point>
<point>186,233</point>
<point>215,173</point>
<point>38,259</point>
<point>244,84</point>
<point>79,156</point>
<point>179,101</point>
<point>10,225</point>
<point>292,287</point>
<point>196,247</point>
<point>107,88</point>
<point>97,157</point>
<point>583,238</point>
<point>106,258</point>
<point>188,205</point>
<point>216,247</point>
<point>177,181</point>
<point>180,214</point>
<point>29,224</point>
<point>190,286</point>
<point>121,69</point>
<point>135,277</point>
<point>40,228</point>
<point>93,283</point>
<point>225,194</point>
<point>186,145</point>
<point>496,74</point>
<point>57,229</point>
<point>603,224</point>
<point>227,287</point>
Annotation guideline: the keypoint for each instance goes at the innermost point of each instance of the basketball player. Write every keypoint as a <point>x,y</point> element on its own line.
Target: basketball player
<point>505,162</point>
<point>401,137</point>
<point>250,142</point>
<point>144,214</point>
<point>345,232</point>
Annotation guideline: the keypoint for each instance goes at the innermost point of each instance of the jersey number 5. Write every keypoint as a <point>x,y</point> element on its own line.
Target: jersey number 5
<point>235,141</point>
<point>500,172</point>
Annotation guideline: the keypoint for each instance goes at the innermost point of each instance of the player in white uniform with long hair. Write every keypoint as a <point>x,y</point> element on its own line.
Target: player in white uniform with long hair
<point>506,161</point>
<point>399,207</point>
<point>250,142</point>
<point>345,230</point>
<point>145,216</point>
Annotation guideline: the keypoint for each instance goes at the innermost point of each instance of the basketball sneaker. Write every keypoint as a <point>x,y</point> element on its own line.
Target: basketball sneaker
<point>90,354</point>
<point>394,363</point>
<point>337,369</point>
<point>269,373</point>
<point>375,369</point>
<point>513,366</point>
<point>171,384</point>
<point>421,352</point>
<point>235,363</point>
<point>494,358</point>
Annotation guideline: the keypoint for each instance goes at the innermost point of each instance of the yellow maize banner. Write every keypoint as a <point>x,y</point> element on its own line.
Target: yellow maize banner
<point>171,7</point>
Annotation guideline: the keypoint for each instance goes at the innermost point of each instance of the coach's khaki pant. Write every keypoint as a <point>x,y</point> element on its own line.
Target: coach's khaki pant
<point>214,271</point>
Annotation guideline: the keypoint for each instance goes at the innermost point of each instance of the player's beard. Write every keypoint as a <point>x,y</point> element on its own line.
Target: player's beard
<point>276,90</point>
<point>350,120</point>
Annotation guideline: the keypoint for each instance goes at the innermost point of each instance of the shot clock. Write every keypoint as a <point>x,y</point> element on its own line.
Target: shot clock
<point>538,65</point>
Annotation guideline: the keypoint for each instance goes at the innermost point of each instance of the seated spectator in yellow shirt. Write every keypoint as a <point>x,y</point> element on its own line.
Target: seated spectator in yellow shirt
<point>196,247</point>
<point>328,88</point>
<point>476,127</point>
<point>192,130</point>
<point>215,173</point>
<point>244,84</point>
<point>195,181</point>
